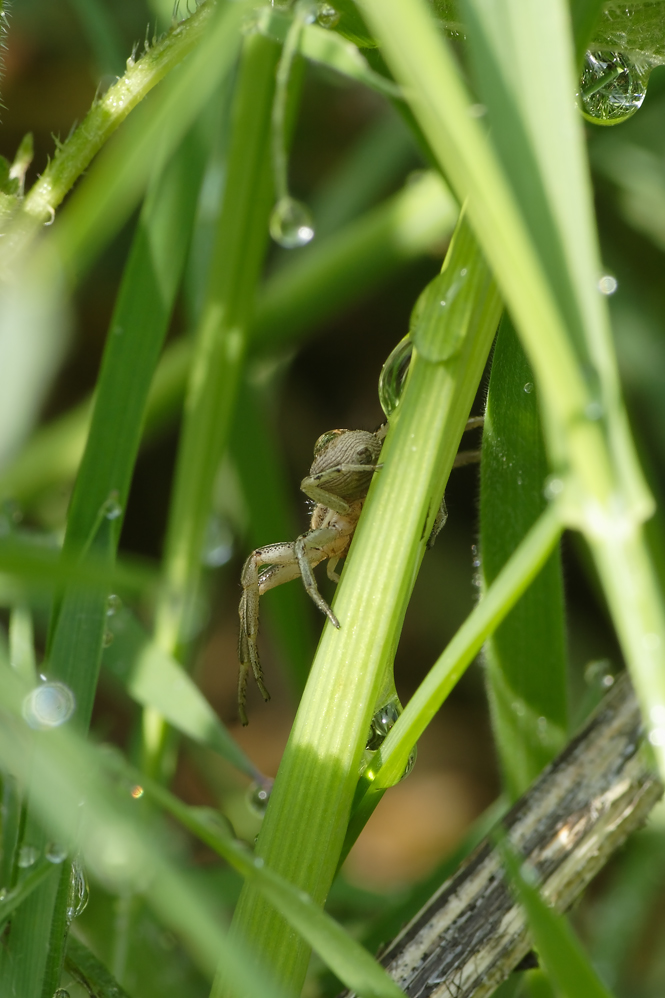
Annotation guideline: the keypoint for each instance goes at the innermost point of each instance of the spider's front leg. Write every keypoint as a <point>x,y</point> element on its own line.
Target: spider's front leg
<point>351,480</point>
<point>283,564</point>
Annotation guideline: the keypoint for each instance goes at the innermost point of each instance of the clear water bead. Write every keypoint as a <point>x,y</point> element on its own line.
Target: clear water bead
<point>258,796</point>
<point>607,284</point>
<point>112,508</point>
<point>27,856</point>
<point>528,388</point>
<point>48,706</point>
<point>55,853</point>
<point>327,16</point>
<point>291,223</point>
<point>113,605</point>
<point>382,722</point>
<point>393,376</point>
<point>612,87</point>
<point>61,993</point>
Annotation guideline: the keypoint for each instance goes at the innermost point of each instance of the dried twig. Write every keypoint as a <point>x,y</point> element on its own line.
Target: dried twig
<point>472,934</point>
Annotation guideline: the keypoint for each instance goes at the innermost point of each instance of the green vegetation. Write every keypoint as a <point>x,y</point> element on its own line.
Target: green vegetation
<point>472,189</point>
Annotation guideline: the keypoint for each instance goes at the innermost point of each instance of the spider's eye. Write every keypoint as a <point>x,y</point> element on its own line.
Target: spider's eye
<point>325,439</point>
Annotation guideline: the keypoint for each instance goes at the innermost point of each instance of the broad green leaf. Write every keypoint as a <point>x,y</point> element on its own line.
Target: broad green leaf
<point>526,656</point>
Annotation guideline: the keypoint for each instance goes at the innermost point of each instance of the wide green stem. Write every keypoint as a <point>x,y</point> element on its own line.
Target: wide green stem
<point>304,828</point>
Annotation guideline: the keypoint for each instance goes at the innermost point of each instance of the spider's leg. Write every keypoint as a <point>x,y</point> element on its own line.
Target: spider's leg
<point>281,557</point>
<point>309,552</point>
<point>330,569</point>
<point>325,486</point>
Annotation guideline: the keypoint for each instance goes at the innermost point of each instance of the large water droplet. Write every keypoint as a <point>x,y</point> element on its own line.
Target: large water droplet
<point>61,993</point>
<point>48,706</point>
<point>79,892</point>
<point>382,722</point>
<point>612,87</point>
<point>217,543</point>
<point>528,388</point>
<point>607,284</point>
<point>258,795</point>
<point>327,16</point>
<point>393,375</point>
<point>291,223</point>
<point>26,856</point>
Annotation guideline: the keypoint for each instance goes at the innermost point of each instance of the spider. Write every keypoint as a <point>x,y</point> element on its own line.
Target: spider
<point>338,482</point>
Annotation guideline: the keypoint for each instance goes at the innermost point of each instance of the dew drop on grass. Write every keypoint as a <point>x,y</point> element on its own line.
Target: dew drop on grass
<point>607,284</point>
<point>113,605</point>
<point>61,993</point>
<point>26,856</point>
<point>612,87</point>
<point>55,853</point>
<point>112,508</point>
<point>48,706</point>
<point>327,16</point>
<point>382,723</point>
<point>393,375</point>
<point>258,795</point>
<point>291,223</point>
<point>528,388</point>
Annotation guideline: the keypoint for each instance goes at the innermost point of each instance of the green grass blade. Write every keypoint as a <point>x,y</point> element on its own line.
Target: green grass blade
<point>526,655</point>
<point>156,680</point>
<point>348,959</point>
<point>557,947</point>
<point>90,972</point>
<point>118,845</point>
<point>513,579</point>
<point>78,624</point>
<point>312,796</point>
<point>220,349</point>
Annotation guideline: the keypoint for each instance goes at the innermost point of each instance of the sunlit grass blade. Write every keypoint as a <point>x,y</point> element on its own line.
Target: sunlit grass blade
<point>525,657</point>
<point>557,947</point>
<point>347,958</point>
<point>154,679</point>
<point>312,796</point>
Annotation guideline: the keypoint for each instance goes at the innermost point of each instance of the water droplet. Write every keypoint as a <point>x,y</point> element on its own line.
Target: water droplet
<point>291,223</point>
<point>327,16</point>
<point>137,791</point>
<point>594,411</point>
<point>107,639</point>
<point>113,605</point>
<point>477,560</point>
<point>612,87</point>
<point>608,680</point>
<point>55,853</point>
<point>112,508</point>
<point>553,487</point>
<point>607,284</point>
<point>382,722</point>
<point>61,993</point>
<point>393,375</point>
<point>528,388</point>
<point>259,862</point>
<point>218,543</point>
<point>48,706</point>
<point>657,736</point>
<point>518,707</point>
<point>307,11</point>
<point>79,892</point>
<point>26,856</point>
<point>258,795</point>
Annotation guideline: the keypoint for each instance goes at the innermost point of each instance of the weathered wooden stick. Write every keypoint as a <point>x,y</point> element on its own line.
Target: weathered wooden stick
<point>472,934</point>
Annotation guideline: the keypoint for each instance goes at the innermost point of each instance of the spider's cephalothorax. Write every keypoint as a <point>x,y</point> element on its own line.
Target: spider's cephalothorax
<point>338,482</point>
